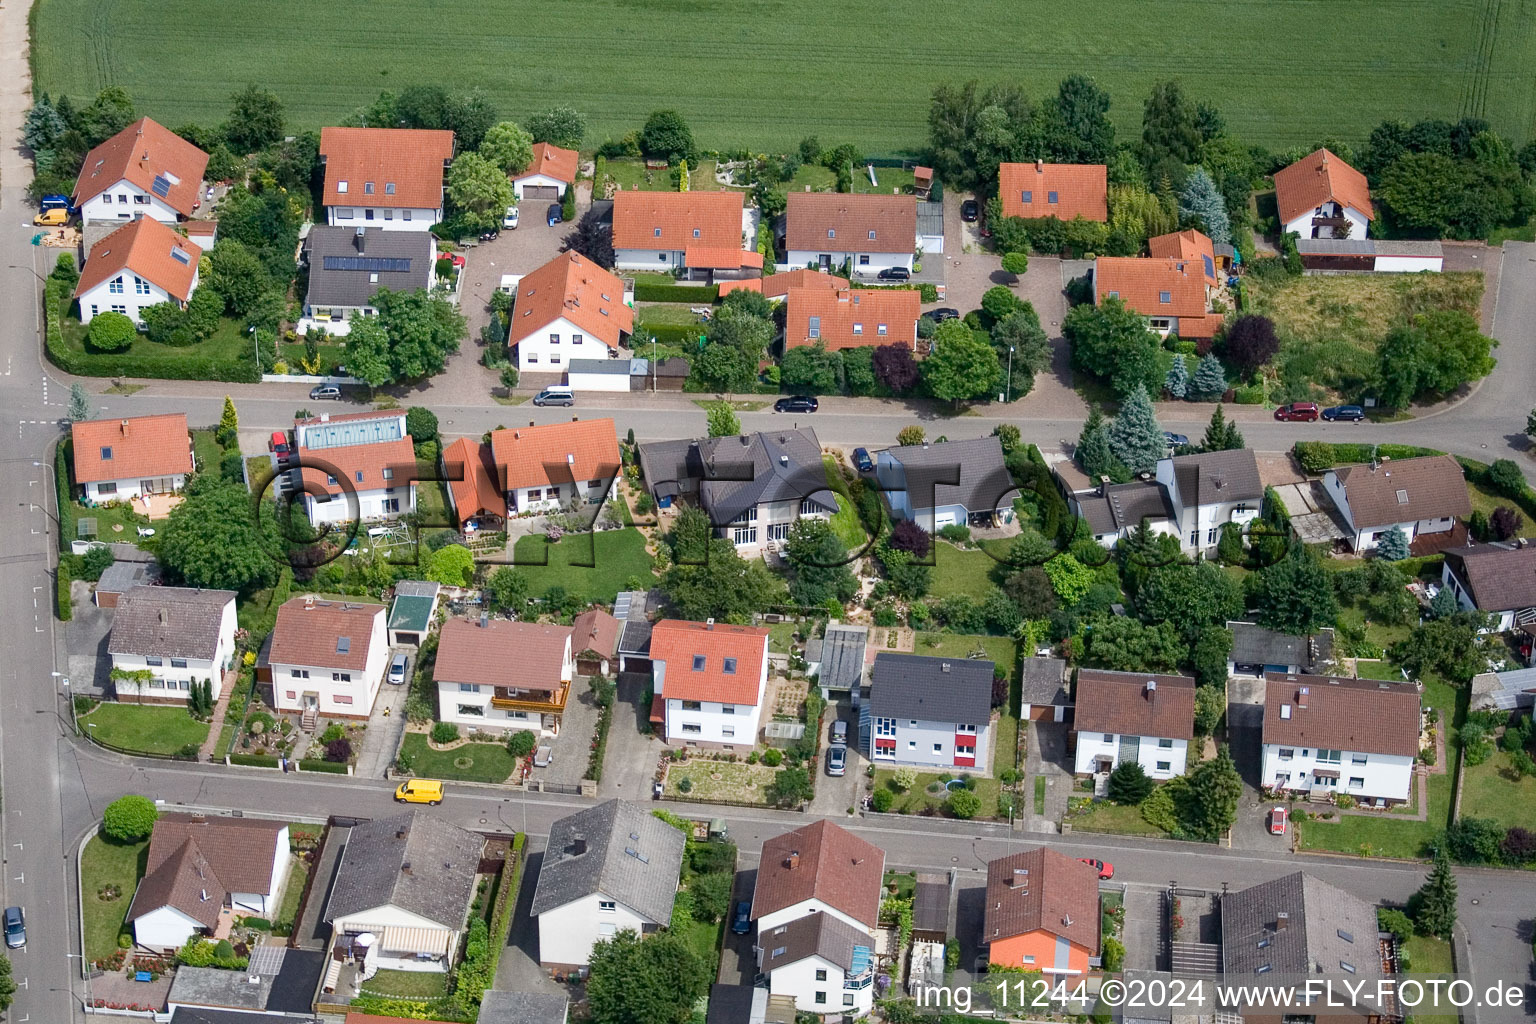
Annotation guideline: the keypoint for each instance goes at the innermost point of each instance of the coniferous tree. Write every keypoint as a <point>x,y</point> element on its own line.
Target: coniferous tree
<point>1135,436</point>
<point>1177,381</point>
<point>1210,379</point>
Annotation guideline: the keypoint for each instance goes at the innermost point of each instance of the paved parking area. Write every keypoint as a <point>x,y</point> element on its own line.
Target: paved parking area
<point>738,965</point>
<point>519,969</point>
<point>835,795</point>
<point>90,666</point>
<point>630,762</point>
<point>1245,728</point>
<point>1143,935</point>
<point>570,750</point>
<point>386,724</point>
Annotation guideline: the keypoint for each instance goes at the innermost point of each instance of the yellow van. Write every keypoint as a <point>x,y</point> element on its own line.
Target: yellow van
<point>420,791</point>
<point>51,218</point>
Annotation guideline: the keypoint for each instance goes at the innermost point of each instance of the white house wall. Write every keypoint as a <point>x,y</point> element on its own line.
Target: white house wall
<point>180,677</point>
<point>370,505</point>
<point>394,917</point>
<point>471,709</point>
<point>599,381</point>
<point>799,980</point>
<point>795,911</point>
<point>928,744</point>
<point>540,499</point>
<point>122,490</point>
<point>1359,227</point>
<point>714,725</point>
<point>537,181</point>
<point>567,934</point>
<point>541,352</point>
<point>164,928</point>
<point>862,264</point>
<point>647,259</point>
<point>353,696</point>
<point>1092,746</point>
<point>131,302</point>
<point>124,202</point>
<point>1408,264</point>
<point>394,218</point>
<point>1385,776</point>
<point>1504,619</point>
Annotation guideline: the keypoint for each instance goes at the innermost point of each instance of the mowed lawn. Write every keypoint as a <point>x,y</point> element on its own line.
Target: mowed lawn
<point>106,864</point>
<point>470,762</point>
<point>590,566</point>
<point>858,72</point>
<point>153,729</point>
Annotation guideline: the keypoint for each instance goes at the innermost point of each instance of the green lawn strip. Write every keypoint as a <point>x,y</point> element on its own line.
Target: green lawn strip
<point>109,516</point>
<point>1116,819</point>
<point>845,521</point>
<point>961,572</point>
<point>666,313</point>
<point>149,728</point>
<point>206,451</point>
<point>615,556</point>
<point>228,346</point>
<point>781,636</point>
<point>489,762</point>
<point>408,984</point>
<point>288,910</point>
<point>1001,650</point>
<point>631,174</point>
<point>919,797</point>
<point>1428,955</point>
<point>1005,742</point>
<point>1039,794</point>
<point>106,863</point>
<point>905,882</point>
<point>703,939</point>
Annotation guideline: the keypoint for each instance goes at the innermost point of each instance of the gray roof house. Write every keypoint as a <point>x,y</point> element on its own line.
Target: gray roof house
<point>1496,579</point>
<point>605,869</point>
<point>825,936</point>
<point>946,482</point>
<point>498,1007</point>
<point>1045,690</point>
<point>1504,691</point>
<point>1113,510</point>
<point>348,266</point>
<point>837,657</point>
<point>1299,925</point>
<point>408,879</point>
<point>169,622</point>
<point>1256,650</point>
<point>929,712</point>
<point>1189,496</point>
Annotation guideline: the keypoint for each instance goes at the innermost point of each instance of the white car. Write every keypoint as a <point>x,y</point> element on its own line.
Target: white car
<point>397,669</point>
<point>510,220</point>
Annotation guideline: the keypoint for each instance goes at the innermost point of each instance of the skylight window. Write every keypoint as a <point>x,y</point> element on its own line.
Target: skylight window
<point>698,663</point>
<point>106,454</point>
<point>343,644</point>
<point>180,255</point>
<point>730,666</point>
<point>367,188</point>
<point>341,186</point>
<point>389,188</point>
<point>1165,296</point>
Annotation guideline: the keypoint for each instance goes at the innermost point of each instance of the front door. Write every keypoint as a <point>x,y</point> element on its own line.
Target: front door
<point>825,259</point>
<point>311,699</point>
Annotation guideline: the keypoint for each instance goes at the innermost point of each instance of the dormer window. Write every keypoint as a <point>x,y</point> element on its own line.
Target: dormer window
<point>1165,296</point>
<point>341,187</point>
<point>1050,197</point>
<point>1026,196</point>
<point>858,328</point>
<point>730,666</point>
<point>359,476</point>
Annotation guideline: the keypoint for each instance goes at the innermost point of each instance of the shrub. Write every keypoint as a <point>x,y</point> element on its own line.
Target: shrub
<point>699,295</point>
<point>339,751</point>
<point>1504,475</point>
<point>129,818</point>
<point>685,785</point>
<point>1396,922</point>
<point>521,743</point>
<point>773,757</point>
<point>964,804</point>
<point>63,604</point>
<point>110,332</point>
<point>904,778</point>
<point>911,436</point>
<point>444,732</point>
<point>956,533</point>
<point>881,800</point>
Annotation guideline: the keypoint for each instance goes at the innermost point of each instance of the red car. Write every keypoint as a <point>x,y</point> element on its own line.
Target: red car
<point>1277,820</point>
<point>1302,412</point>
<point>279,444</point>
<point>1106,871</point>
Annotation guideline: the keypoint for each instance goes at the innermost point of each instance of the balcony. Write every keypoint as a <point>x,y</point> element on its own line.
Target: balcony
<point>541,702</point>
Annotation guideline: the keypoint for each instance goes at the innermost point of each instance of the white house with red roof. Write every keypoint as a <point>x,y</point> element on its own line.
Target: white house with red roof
<point>570,308</point>
<point>328,656</point>
<point>390,178</point>
<point>709,679</point>
<point>1321,196</point>
<point>118,460</point>
<point>548,174</point>
<point>498,676</point>
<point>141,264</point>
<point>704,235</point>
<point>355,467</point>
<point>145,170</point>
<point>548,468</point>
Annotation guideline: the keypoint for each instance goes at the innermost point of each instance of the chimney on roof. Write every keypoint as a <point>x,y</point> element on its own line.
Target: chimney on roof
<point>1282,921</point>
<point>1151,689</point>
<point>1066,920</point>
<point>943,666</point>
<point>1039,166</point>
<point>709,623</point>
<point>405,868</point>
<point>358,238</point>
<point>485,620</point>
<point>783,459</point>
<point>401,833</point>
<point>793,860</point>
<point>746,442</point>
<point>124,427</point>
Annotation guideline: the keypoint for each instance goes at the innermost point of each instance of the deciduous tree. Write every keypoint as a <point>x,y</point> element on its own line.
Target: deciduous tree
<point>960,367</point>
<point>559,126</point>
<point>655,981</point>
<point>216,539</point>
<point>722,420</point>
<point>812,370</point>
<point>1214,791</point>
<point>509,146</point>
<point>722,586</point>
<point>110,332</point>
<point>1250,342</point>
<point>255,120</point>
<point>820,564</point>
<point>1294,595</point>
<point>452,566</point>
<point>479,186</point>
<point>666,136</point>
<point>1114,343</point>
<point>895,368</point>
<point>129,818</point>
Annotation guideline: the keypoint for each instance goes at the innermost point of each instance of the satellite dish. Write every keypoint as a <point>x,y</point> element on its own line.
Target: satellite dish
<point>365,940</point>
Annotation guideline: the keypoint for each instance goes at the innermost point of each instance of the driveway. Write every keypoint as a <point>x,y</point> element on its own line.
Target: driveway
<point>386,724</point>
<point>519,969</point>
<point>1143,934</point>
<point>835,795</point>
<point>1047,759</point>
<point>1245,729</point>
<point>90,666</point>
<point>630,762</point>
<point>738,965</point>
<point>570,750</point>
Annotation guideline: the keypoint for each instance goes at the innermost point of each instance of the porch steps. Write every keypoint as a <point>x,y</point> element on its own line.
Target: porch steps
<point>309,719</point>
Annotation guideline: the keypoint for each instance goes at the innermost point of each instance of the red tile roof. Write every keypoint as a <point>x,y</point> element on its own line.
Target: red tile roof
<point>556,453</point>
<point>308,632</point>
<point>840,312</point>
<point>1082,190</point>
<point>1191,245</point>
<point>552,162</point>
<point>677,642</point>
<point>149,249</point>
<point>143,446</point>
<point>595,631</point>
<point>777,286</point>
<point>1042,890</point>
<point>1366,716</point>
<point>525,655</point>
<point>476,488</point>
<point>817,221</point>
<point>140,153</point>
<point>638,216</point>
<point>1142,284</point>
<point>411,160</point>
<point>1121,703</point>
<point>1317,178</point>
<point>723,257</point>
<point>572,286</point>
<point>822,861</point>
<point>359,467</point>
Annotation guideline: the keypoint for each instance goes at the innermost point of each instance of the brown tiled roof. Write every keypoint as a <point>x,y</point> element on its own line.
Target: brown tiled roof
<point>1142,284</point>
<point>1191,245</point>
<point>839,312</point>
<point>141,446</point>
<point>595,631</point>
<point>147,248</point>
<point>1042,890</point>
<point>716,216</point>
<point>822,861</point>
<point>1120,703</point>
<point>1404,490</point>
<point>359,466</point>
<point>309,632</point>
<point>477,488</point>
<point>525,655</point>
<point>141,152</point>
<point>1082,190</point>
<point>572,286</point>
<point>556,453</point>
<point>232,854</point>
<point>1368,716</point>
<point>777,286</point>
<point>1317,178</point>
<point>184,880</point>
<point>822,935</point>
<point>1497,578</point>
<point>677,642</point>
<point>169,622</point>
<point>409,159</point>
<point>850,222</point>
<point>552,162</point>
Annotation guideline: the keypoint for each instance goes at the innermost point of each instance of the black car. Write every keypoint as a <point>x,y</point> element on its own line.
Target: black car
<point>796,403</point>
<point>556,214</point>
<point>1345,413</point>
<point>970,211</point>
<point>894,274</point>
<point>741,921</point>
<point>943,313</point>
<point>861,460</point>
<point>1175,440</point>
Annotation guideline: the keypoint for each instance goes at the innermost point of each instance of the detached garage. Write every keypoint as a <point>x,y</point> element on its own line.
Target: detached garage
<point>598,374</point>
<point>548,174</point>
<point>1369,255</point>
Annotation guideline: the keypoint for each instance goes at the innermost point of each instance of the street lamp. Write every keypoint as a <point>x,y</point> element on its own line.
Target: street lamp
<point>255,348</point>
<point>1008,384</point>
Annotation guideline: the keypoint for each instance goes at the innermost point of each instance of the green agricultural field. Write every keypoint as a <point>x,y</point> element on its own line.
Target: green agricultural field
<point>764,76</point>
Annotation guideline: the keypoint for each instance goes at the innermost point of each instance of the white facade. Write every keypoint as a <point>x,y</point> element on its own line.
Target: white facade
<point>266,904</point>
<point>124,490</point>
<point>468,705</point>
<point>164,928</point>
<point>567,934</point>
<point>600,381</point>
<point>1362,776</point>
<point>1367,537</point>
<point>1161,757</point>
<point>708,721</point>
<point>555,497</point>
<point>795,911</point>
<point>168,928</point>
<point>390,218</point>
<point>860,264</point>
<point>768,522</point>
<point>962,746</point>
<point>125,201</point>
<point>346,692</point>
<point>1503,619</point>
<point>1304,228</point>
<point>538,181</point>
<point>396,928</point>
<point>129,294</point>
<point>1408,264</point>
<point>171,678</point>
<point>378,503</point>
<point>1199,526</point>
<point>817,985</point>
<point>647,259</point>
<point>548,349</point>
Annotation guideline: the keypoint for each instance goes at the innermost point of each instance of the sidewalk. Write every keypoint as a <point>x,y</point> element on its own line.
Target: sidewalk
<point>216,724</point>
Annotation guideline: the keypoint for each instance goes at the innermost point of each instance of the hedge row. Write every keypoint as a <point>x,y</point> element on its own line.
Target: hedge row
<point>1477,473</point>
<point>699,294</point>
<point>930,292</point>
<point>254,760</point>
<point>64,493</point>
<point>684,335</point>
<point>1317,456</point>
<point>316,764</point>
<point>66,608</point>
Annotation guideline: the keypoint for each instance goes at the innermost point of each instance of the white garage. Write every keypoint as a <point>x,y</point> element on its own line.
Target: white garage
<point>598,374</point>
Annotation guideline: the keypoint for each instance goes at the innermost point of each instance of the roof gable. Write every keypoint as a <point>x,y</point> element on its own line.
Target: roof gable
<point>596,631</point>
<point>1155,288</point>
<point>325,634</point>
<point>573,287</point>
<point>1217,478</point>
<point>822,861</point>
<point>1064,191</point>
<point>473,482</point>
<point>398,167</point>
<point>1404,490</point>
<point>552,162</point>
<point>1193,246</point>
<point>969,472</point>
<point>195,861</point>
<point>849,222</point>
<point>347,469</point>
<point>151,157</point>
<point>1042,890</point>
<point>418,863</point>
<point>1298,925</point>
<point>349,265</point>
<point>710,661</point>
<point>1368,716</point>
<point>169,622</point>
<point>913,686</point>
<point>1318,178</point>
<point>149,249</point>
<point>141,446</point>
<point>1498,577</point>
<point>556,453</point>
<point>1135,704</point>
<point>617,849</point>
<point>738,473</point>
<point>851,317</point>
<point>527,655</point>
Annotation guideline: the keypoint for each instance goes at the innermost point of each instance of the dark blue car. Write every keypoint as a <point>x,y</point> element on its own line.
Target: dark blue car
<point>1344,413</point>
<point>861,460</point>
<point>741,921</point>
<point>556,214</point>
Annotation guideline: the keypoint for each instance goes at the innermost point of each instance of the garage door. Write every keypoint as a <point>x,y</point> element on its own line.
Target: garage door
<point>943,519</point>
<point>541,192</point>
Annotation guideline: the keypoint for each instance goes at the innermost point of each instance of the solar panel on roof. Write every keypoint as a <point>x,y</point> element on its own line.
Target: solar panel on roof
<point>373,264</point>
<point>161,186</point>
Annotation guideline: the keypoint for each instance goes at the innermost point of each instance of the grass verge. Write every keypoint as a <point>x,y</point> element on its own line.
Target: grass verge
<point>468,762</point>
<point>146,728</point>
<point>104,864</point>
